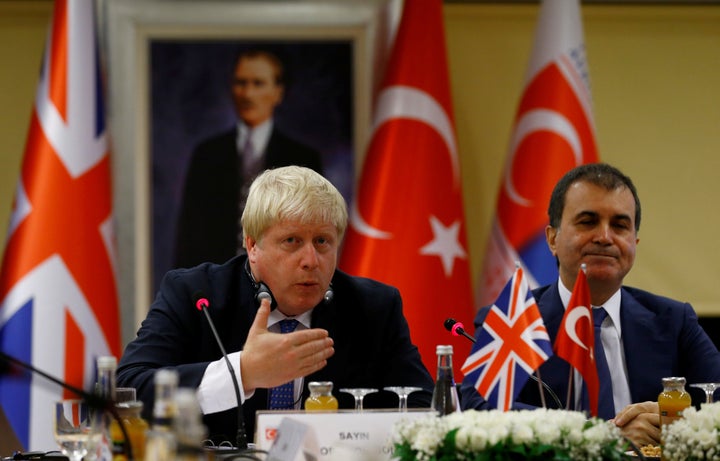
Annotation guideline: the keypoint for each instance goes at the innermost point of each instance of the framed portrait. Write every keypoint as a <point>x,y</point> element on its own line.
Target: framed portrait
<point>170,67</point>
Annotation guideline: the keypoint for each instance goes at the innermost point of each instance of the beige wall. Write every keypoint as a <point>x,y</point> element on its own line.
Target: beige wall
<point>655,75</point>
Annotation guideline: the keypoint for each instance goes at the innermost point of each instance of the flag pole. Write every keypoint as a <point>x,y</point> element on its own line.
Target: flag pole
<point>540,388</point>
<point>570,388</point>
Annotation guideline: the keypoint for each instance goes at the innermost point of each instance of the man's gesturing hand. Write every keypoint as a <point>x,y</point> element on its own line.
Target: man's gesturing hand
<point>270,359</point>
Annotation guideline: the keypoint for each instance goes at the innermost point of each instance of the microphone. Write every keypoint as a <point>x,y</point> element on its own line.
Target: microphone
<point>202,304</point>
<point>329,294</point>
<point>456,328</point>
<point>263,292</point>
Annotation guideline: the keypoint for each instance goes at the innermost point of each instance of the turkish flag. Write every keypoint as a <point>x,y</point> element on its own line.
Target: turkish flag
<point>575,341</point>
<point>553,132</point>
<point>407,224</point>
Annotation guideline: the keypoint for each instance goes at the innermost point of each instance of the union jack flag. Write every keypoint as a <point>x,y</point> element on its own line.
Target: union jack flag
<point>511,344</point>
<point>58,293</point>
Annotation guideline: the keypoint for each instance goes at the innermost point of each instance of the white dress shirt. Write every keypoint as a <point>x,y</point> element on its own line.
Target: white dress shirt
<point>216,391</point>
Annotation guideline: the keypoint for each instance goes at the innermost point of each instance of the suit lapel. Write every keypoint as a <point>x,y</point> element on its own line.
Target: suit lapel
<point>642,345</point>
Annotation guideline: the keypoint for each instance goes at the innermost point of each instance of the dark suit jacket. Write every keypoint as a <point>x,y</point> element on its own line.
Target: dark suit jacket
<point>364,319</point>
<point>661,338</point>
<point>209,220</point>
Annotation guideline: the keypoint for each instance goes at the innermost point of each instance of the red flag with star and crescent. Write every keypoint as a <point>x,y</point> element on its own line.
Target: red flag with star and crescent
<point>575,341</point>
<point>58,293</point>
<point>407,224</point>
<point>553,132</point>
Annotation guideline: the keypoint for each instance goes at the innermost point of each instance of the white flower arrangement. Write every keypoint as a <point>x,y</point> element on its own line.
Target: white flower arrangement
<point>696,436</point>
<point>525,434</point>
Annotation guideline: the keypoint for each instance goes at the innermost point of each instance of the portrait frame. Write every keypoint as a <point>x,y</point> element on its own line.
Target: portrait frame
<point>130,28</point>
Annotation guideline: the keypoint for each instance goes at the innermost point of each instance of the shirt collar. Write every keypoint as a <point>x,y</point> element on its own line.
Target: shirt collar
<point>260,135</point>
<point>612,305</point>
<point>276,316</point>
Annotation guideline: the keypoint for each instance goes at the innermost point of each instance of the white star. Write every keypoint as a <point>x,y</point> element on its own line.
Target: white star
<point>444,244</point>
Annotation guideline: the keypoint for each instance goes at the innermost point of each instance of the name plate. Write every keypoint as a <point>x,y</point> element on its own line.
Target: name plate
<point>345,434</point>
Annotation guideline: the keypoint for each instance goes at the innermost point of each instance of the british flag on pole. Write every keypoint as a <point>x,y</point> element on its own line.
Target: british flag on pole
<point>511,344</point>
<point>553,132</point>
<point>58,293</point>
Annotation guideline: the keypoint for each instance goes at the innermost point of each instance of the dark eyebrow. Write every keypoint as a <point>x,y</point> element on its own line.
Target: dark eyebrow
<point>586,214</point>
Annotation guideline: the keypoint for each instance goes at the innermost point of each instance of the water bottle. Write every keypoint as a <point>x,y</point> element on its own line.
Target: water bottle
<point>161,442</point>
<point>445,398</point>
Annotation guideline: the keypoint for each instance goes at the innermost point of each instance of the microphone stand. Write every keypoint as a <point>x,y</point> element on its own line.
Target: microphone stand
<point>93,400</point>
<point>202,304</point>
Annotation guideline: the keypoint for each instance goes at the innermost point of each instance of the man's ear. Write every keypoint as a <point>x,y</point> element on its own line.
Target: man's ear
<point>251,247</point>
<point>550,236</point>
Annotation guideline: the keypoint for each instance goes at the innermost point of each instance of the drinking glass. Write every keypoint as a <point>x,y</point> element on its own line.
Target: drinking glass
<point>402,393</point>
<point>709,389</point>
<point>72,428</point>
<point>359,393</point>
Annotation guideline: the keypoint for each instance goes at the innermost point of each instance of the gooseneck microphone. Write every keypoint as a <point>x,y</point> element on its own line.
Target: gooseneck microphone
<point>202,304</point>
<point>457,329</point>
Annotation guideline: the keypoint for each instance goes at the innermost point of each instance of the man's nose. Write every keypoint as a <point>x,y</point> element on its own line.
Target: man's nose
<point>603,233</point>
<point>309,257</point>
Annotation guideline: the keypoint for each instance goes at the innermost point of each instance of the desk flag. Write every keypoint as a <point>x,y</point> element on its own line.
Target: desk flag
<point>407,223</point>
<point>58,293</point>
<point>553,132</point>
<point>575,341</point>
<point>512,343</point>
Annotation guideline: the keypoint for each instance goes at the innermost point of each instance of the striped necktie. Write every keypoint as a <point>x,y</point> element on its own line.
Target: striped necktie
<point>282,397</point>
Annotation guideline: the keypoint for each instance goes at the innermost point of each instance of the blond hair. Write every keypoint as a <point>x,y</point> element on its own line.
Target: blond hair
<point>292,193</point>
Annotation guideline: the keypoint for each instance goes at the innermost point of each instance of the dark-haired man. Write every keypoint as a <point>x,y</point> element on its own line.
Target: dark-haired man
<point>594,219</point>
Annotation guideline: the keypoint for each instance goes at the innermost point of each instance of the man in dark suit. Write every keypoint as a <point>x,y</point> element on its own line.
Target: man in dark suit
<point>594,216</point>
<point>222,167</point>
<point>351,330</point>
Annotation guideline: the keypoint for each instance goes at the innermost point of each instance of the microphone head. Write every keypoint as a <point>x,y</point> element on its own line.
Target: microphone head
<point>329,295</point>
<point>450,323</point>
<point>264,295</point>
<point>200,301</point>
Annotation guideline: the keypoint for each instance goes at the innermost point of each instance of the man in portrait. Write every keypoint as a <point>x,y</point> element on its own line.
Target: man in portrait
<point>223,166</point>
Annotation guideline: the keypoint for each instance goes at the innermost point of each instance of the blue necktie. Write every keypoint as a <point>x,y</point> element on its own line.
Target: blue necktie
<point>282,397</point>
<point>606,405</point>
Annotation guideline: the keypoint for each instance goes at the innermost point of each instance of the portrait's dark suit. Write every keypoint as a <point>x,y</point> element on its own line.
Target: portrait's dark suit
<point>364,319</point>
<point>209,222</point>
<point>661,337</point>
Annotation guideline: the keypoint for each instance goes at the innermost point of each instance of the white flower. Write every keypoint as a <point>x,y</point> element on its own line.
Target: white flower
<point>696,435</point>
<point>565,432</point>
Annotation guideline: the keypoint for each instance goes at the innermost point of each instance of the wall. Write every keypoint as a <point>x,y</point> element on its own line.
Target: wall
<point>654,72</point>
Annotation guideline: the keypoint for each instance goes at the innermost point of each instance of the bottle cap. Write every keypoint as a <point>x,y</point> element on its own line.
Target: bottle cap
<point>674,380</point>
<point>166,376</point>
<point>443,350</point>
<point>106,361</point>
<point>320,386</point>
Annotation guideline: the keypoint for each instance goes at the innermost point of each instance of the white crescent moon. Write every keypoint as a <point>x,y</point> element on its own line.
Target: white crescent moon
<point>537,120</point>
<point>573,316</point>
<point>409,103</point>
